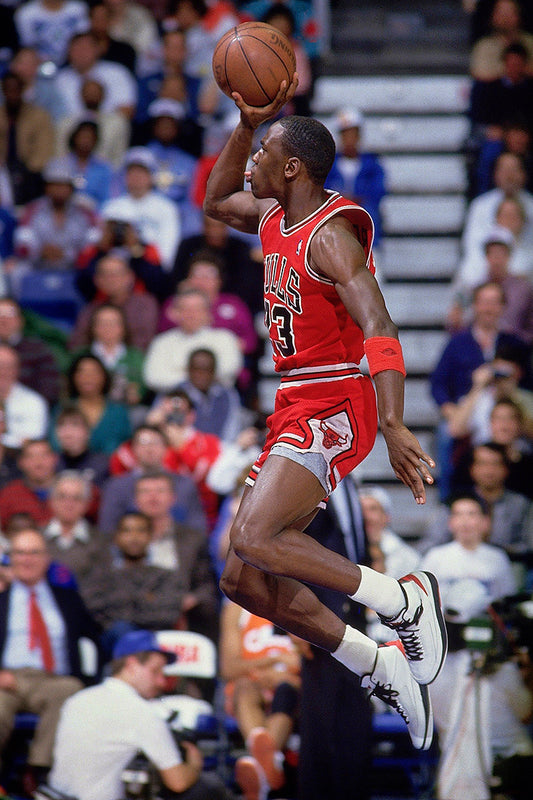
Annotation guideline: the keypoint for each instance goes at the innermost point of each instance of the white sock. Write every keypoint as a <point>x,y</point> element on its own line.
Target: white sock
<point>356,651</point>
<point>379,592</point>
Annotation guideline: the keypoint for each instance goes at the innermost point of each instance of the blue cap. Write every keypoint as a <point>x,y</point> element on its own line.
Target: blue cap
<point>140,642</point>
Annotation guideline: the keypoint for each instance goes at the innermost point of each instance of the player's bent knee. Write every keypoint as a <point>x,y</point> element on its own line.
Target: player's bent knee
<point>252,544</point>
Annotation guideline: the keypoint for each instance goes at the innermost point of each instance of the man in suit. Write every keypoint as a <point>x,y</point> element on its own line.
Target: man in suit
<point>335,713</point>
<point>40,628</point>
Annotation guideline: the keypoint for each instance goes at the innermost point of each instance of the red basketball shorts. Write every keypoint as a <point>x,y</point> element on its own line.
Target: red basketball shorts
<point>325,419</point>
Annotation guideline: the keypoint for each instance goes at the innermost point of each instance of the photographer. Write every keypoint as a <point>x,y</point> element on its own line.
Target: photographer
<point>475,713</point>
<point>120,232</point>
<point>107,725</point>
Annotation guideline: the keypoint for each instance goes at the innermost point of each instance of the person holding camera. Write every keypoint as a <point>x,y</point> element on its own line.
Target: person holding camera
<point>475,699</point>
<point>101,732</point>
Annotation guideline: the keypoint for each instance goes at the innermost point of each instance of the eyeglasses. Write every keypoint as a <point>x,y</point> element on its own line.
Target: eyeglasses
<point>20,553</point>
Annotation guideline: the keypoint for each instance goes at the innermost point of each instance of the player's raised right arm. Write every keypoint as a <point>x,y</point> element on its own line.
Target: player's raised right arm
<point>225,199</point>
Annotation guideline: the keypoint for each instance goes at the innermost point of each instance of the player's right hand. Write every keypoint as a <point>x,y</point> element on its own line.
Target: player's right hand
<point>254,116</point>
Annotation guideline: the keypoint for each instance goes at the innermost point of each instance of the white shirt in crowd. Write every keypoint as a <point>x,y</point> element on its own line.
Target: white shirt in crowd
<point>26,416</point>
<point>119,85</point>
<point>48,30</point>
<point>100,730</point>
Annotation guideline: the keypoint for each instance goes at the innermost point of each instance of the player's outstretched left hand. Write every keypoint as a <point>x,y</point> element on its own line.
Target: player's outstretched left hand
<point>409,462</point>
<point>256,115</point>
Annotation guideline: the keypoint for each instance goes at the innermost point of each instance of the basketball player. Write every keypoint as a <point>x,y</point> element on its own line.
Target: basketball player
<point>324,311</point>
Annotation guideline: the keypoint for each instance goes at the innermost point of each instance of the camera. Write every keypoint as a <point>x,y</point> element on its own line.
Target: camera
<point>120,230</point>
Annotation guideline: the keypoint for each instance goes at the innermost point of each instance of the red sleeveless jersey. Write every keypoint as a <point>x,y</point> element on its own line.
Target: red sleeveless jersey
<point>307,322</point>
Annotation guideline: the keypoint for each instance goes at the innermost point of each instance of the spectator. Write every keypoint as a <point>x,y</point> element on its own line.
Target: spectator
<point>92,175</point>
<point>516,137</point>
<point>113,127</point>
<point>493,103</point>
<point>71,540</point>
<point>54,228</point>
<point>201,32</point>
<point>144,454</point>
<point>9,470</point>
<point>172,68</point>
<point>511,514</point>
<point>471,574</point>
<point>120,91</point>
<point>307,24</point>
<point>37,366</point>
<point>109,47</point>
<point>206,273</point>
<point>191,452</point>
<point>26,411</point>
<point>39,658</point>
<point>486,58</point>
<point>335,713</point>
<point>243,275</point>
<point>166,359</point>
<point>400,558</point>
<point>130,22</point>
<point>452,378</point>
<point>261,669</point>
<point>511,214</point>
<point>9,40</point>
<point>517,314</point>
<point>104,727</point>
<point>175,168</point>
<point>88,385</point>
<point>48,25</point>
<point>109,340</point>
<point>72,432</point>
<point>131,593</point>
<point>509,179</point>
<point>30,494</point>
<point>38,79</point>
<point>508,429</point>
<point>494,381</point>
<point>280,16</point>
<point>157,216</point>
<point>218,408</point>
<point>26,140</point>
<point>356,174</point>
<point>114,280</point>
<point>178,547</point>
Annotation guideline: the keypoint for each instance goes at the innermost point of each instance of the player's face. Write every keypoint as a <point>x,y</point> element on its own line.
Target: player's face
<point>267,173</point>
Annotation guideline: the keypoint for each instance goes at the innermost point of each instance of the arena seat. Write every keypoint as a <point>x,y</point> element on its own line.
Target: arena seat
<point>408,214</point>
<point>53,294</point>
<point>425,173</point>
<point>421,350</point>
<point>415,257</point>
<point>443,94</point>
<point>432,301</point>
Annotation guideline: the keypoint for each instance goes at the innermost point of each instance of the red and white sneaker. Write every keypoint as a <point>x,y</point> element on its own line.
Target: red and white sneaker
<point>420,626</point>
<point>263,748</point>
<point>251,779</point>
<point>391,680</point>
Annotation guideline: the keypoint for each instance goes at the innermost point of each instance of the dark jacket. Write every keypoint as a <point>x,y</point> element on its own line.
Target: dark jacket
<point>78,624</point>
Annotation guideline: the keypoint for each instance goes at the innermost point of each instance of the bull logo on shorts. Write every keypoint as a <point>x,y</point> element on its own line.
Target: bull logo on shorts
<point>330,436</point>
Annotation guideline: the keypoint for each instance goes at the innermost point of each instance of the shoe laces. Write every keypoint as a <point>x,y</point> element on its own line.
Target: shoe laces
<point>409,637</point>
<point>389,696</point>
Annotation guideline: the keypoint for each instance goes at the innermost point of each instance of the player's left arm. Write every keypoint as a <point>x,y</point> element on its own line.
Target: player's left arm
<point>336,253</point>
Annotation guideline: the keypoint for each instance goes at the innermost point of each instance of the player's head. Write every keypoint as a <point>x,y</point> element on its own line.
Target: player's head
<point>310,141</point>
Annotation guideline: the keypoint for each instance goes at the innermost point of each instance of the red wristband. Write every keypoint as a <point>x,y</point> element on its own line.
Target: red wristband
<point>384,352</point>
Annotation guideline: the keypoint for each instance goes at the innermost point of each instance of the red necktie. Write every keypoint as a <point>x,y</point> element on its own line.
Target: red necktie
<point>39,634</point>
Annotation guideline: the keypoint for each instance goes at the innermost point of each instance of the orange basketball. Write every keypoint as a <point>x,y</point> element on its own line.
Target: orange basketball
<point>253,59</point>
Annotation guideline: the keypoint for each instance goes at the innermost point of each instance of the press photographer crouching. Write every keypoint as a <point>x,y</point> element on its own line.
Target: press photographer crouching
<point>480,700</point>
<point>99,734</point>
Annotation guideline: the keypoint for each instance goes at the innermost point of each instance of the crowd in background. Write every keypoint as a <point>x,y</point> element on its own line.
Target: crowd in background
<point>130,336</point>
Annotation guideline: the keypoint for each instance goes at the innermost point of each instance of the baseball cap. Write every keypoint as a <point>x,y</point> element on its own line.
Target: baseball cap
<point>349,118</point>
<point>58,170</point>
<point>140,641</point>
<point>166,107</point>
<point>141,157</point>
<point>500,235</point>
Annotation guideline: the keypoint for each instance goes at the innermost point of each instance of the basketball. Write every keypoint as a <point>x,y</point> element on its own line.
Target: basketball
<point>253,59</point>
